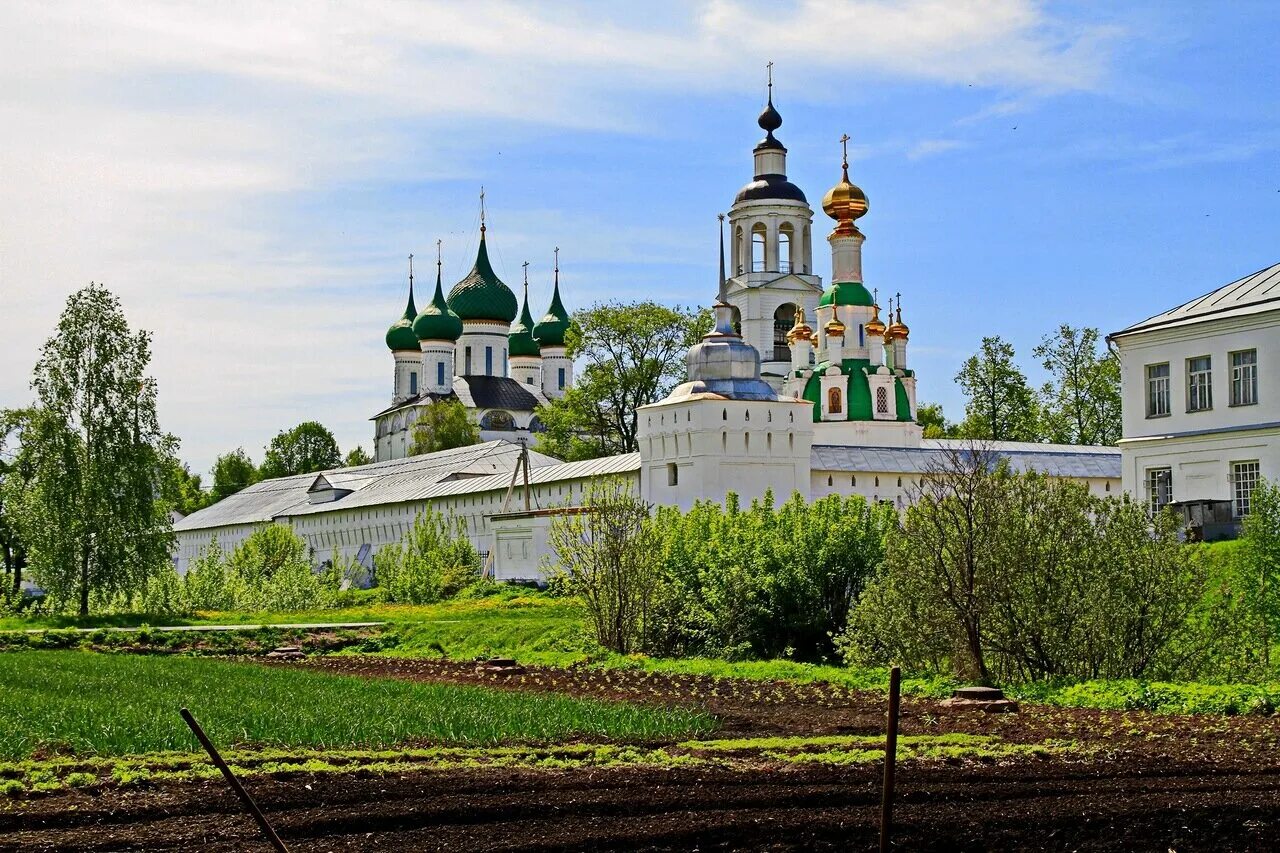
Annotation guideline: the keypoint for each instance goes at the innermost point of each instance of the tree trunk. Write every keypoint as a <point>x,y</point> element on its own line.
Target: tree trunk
<point>84,581</point>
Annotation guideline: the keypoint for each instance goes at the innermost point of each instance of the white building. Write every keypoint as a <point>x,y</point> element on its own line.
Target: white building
<point>1201,400</point>
<point>471,347</point>
<point>835,415</point>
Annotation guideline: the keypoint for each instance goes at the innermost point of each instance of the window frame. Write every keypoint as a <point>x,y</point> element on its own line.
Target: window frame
<point>1154,504</point>
<point>1151,381</point>
<point>1237,384</point>
<point>1196,391</point>
<point>835,401</point>
<point>1242,497</point>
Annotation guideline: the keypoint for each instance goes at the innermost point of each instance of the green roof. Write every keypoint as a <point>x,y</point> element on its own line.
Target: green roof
<point>520,341</point>
<point>437,322</point>
<point>846,293</point>
<point>400,336</point>
<point>482,295</point>
<point>553,325</point>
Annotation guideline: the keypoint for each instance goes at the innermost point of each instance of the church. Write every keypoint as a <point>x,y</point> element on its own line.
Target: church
<point>772,402</point>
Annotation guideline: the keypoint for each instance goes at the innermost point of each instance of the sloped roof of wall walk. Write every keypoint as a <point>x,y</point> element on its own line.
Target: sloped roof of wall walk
<point>1252,294</point>
<point>376,483</point>
<point>1056,460</point>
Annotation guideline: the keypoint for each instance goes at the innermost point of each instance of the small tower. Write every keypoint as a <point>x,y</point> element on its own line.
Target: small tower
<point>403,344</point>
<point>800,340</point>
<point>526,357</point>
<point>557,367</point>
<point>875,335</point>
<point>437,329</point>
<point>486,307</point>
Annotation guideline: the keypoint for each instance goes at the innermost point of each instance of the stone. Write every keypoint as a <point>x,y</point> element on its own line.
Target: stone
<point>984,694</point>
<point>988,699</point>
<point>499,666</point>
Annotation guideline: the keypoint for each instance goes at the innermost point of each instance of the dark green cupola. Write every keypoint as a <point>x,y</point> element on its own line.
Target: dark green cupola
<point>551,328</point>
<point>482,295</point>
<point>520,342</point>
<point>400,336</point>
<point>437,322</point>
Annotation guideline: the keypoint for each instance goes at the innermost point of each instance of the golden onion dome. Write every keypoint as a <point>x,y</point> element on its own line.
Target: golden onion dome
<point>897,329</point>
<point>875,326</point>
<point>835,327</point>
<point>800,331</point>
<point>845,201</point>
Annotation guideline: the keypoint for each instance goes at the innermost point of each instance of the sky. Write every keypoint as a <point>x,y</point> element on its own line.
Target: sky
<point>249,177</point>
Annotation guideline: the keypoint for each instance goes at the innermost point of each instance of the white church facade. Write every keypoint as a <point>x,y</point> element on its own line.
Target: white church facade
<point>771,403</point>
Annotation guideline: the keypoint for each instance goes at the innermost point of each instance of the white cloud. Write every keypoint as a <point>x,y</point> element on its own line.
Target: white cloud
<point>931,147</point>
<point>154,146</point>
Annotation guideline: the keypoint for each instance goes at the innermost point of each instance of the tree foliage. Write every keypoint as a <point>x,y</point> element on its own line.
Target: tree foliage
<point>444,425</point>
<point>1257,579</point>
<point>306,448</point>
<point>94,518</point>
<point>435,560</point>
<point>16,472</point>
<point>1081,402</point>
<point>1019,577</point>
<point>633,355</point>
<point>183,490</point>
<point>356,456</point>
<point>270,570</point>
<point>935,424</point>
<point>232,472</point>
<point>1001,405</point>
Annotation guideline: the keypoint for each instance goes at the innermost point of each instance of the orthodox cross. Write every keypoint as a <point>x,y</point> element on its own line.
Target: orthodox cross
<point>769,68</point>
<point>899,295</point>
<point>557,259</point>
<point>481,208</point>
<point>438,255</point>
<point>844,147</point>
<point>411,272</point>
<point>526,275</point>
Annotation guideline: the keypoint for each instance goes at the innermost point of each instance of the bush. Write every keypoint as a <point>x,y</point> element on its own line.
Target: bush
<point>435,560</point>
<point>271,570</point>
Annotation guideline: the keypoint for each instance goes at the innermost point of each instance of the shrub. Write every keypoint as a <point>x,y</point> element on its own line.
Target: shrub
<point>435,560</point>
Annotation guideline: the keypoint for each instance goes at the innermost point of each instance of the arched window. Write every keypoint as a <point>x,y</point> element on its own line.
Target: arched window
<point>536,425</point>
<point>757,247</point>
<point>737,251</point>
<point>498,420</point>
<point>835,404</point>
<point>736,316</point>
<point>882,400</point>
<point>786,235</point>
<point>783,319</point>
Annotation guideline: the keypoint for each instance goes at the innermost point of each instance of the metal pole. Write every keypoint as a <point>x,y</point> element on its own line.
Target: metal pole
<point>234,782</point>
<point>890,758</point>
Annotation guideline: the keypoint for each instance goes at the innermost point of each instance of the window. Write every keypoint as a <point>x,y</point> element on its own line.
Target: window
<point>882,400</point>
<point>1157,390</point>
<point>440,373</point>
<point>466,371</point>
<point>834,403</point>
<point>561,380</point>
<point>673,474</point>
<point>1244,479</point>
<point>757,248</point>
<point>413,382</point>
<point>785,233</point>
<point>488,361</point>
<point>1159,488</point>
<point>783,319</point>
<point>1199,384</point>
<point>1244,377</point>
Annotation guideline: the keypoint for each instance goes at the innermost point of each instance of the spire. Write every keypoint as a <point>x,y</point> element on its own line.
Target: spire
<point>722,309</point>
<point>400,335</point>
<point>481,214</point>
<point>410,310</point>
<point>437,322</point>
<point>520,341</point>
<point>553,325</point>
<point>769,120</point>
<point>720,293</point>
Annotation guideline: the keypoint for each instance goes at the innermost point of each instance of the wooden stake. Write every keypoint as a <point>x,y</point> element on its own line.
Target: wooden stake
<point>234,782</point>
<point>890,758</point>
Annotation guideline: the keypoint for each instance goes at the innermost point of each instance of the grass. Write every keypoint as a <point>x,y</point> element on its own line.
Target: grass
<point>93,704</point>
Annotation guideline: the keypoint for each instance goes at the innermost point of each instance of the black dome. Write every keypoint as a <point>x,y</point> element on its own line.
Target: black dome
<point>769,120</point>
<point>771,186</point>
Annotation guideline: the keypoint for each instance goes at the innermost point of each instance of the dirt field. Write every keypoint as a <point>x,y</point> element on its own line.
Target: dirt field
<point>1128,781</point>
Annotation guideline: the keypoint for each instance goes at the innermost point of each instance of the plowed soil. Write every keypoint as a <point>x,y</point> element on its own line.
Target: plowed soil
<point>1131,782</point>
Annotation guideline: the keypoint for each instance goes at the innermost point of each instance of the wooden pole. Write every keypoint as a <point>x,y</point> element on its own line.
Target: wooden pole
<point>247,800</point>
<point>890,758</point>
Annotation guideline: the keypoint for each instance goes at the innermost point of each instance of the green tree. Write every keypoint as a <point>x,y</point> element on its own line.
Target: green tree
<point>434,561</point>
<point>232,472</point>
<point>444,425</point>
<point>94,518</point>
<point>633,355</point>
<point>1001,405</point>
<point>306,448</point>
<point>15,476</point>
<point>1259,566</point>
<point>356,456</point>
<point>1081,404</point>
<point>183,490</point>
<point>934,422</point>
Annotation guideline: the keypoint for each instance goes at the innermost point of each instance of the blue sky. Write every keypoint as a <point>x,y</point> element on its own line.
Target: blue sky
<point>249,177</point>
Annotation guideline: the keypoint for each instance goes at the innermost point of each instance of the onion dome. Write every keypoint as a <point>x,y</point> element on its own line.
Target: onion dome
<point>769,121</point>
<point>400,336</point>
<point>847,293</point>
<point>800,331</point>
<point>551,328</point>
<point>482,295</point>
<point>520,342</point>
<point>835,327</point>
<point>897,329</point>
<point>845,201</point>
<point>437,322</point>
<point>875,326</point>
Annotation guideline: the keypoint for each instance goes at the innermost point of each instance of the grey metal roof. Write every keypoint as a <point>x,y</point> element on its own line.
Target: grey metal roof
<point>378,482</point>
<point>1054,460</point>
<point>1252,294</point>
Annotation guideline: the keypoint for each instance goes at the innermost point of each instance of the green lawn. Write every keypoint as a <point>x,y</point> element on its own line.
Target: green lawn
<point>91,703</point>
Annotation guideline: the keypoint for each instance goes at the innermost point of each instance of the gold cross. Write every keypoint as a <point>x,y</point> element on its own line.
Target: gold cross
<point>844,146</point>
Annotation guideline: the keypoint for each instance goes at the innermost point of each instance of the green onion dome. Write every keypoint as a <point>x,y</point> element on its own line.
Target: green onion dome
<point>400,336</point>
<point>552,327</point>
<point>482,295</point>
<point>437,322</point>
<point>847,293</point>
<point>520,341</point>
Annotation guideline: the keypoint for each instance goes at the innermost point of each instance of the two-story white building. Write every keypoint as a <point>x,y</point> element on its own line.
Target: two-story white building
<point>1201,386</point>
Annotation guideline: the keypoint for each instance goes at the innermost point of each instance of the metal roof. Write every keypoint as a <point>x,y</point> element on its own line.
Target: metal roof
<point>1252,294</point>
<point>1054,460</point>
<point>379,482</point>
